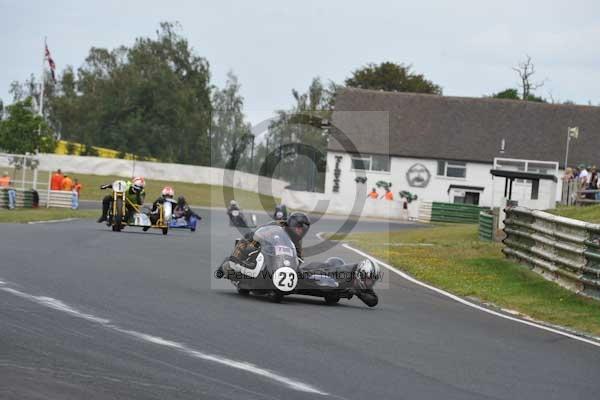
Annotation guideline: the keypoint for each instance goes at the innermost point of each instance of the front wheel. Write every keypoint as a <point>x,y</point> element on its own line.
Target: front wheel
<point>165,231</point>
<point>118,217</point>
<point>145,229</point>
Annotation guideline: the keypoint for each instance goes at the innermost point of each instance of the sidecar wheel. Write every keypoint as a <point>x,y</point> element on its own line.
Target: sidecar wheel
<point>332,299</point>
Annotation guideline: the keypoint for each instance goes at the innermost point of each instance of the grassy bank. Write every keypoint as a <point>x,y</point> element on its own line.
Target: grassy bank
<point>22,215</point>
<point>451,257</point>
<point>196,194</point>
<point>582,213</point>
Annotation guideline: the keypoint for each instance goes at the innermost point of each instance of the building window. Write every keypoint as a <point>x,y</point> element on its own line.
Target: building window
<point>452,169</point>
<point>371,163</point>
<point>380,163</point>
<point>361,163</point>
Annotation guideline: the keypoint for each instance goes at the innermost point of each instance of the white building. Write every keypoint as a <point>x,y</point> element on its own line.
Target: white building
<point>442,148</point>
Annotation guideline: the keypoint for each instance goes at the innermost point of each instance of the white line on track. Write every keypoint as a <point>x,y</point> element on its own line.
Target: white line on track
<point>52,221</point>
<point>466,302</point>
<point>241,365</point>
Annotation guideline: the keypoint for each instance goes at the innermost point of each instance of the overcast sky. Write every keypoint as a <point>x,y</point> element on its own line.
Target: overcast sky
<point>467,47</point>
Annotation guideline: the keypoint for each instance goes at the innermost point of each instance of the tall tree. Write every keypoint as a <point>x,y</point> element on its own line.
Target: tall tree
<point>152,99</point>
<point>299,136</point>
<point>230,133</point>
<point>391,77</point>
<point>526,69</point>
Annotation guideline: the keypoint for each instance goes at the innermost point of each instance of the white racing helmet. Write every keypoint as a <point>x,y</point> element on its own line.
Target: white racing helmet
<point>367,273</point>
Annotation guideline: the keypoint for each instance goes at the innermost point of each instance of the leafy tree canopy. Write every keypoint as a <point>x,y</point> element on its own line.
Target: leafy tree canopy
<point>152,99</point>
<point>391,77</point>
<point>23,131</point>
<point>513,94</point>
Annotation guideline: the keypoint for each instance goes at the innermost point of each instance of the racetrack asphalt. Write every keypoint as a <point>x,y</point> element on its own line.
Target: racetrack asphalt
<point>89,313</point>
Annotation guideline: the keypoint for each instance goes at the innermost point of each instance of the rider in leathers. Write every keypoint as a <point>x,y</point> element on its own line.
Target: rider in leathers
<point>134,193</point>
<point>247,249</point>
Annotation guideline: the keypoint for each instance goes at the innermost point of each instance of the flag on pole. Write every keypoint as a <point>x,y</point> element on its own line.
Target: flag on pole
<point>50,64</point>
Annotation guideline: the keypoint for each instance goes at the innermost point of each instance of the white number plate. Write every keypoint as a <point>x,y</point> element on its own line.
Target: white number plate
<point>119,186</point>
<point>285,279</point>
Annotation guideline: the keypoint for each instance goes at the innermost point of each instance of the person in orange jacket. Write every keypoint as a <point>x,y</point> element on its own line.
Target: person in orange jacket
<point>67,184</point>
<point>77,186</point>
<point>373,195</point>
<point>5,180</point>
<point>56,181</point>
<point>388,194</point>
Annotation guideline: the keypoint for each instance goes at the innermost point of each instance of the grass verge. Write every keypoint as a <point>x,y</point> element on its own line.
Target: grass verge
<point>196,194</point>
<point>582,213</point>
<point>23,215</point>
<point>455,260</point>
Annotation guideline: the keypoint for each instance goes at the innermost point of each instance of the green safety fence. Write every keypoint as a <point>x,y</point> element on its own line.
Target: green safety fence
<point>456,213</point>
<point>486,226</point>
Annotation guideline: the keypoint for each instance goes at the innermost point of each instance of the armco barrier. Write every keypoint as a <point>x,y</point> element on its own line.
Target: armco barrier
<point>425,211</point>
<point>562,249</point>
<point>24,198</point>
<point>449,212</point>
<point>486,226</point>
<point>60,198</point>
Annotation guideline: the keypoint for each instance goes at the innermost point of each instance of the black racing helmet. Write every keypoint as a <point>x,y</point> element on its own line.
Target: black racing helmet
<point>299,224</point>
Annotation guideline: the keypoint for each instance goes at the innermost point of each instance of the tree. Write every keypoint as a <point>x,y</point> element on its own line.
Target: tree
<point>299,135</point>
<point>23,131</point>
<point>230,134</point>
<point>526,69</point>
<point>391,77</point>
<point>513,94</point>
<point>152,99</point>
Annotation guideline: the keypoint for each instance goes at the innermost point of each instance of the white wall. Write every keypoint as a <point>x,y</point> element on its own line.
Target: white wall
<point>477,174</point>
<point>160,171</point>
<point>353,195</point>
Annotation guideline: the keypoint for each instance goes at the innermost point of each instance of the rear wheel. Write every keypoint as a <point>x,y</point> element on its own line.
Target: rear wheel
<point>332,299</point>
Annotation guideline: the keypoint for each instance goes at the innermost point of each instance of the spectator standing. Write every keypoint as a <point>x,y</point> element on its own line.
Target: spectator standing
<point>583,177</point>
<point>568,176</point>
<point>56,180</point>
<point>5,180</point>
<point>388,194</point>
<point>373,195</point>
<point>67,184</point>
<point>76,192</point>
<point>77,186</point>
